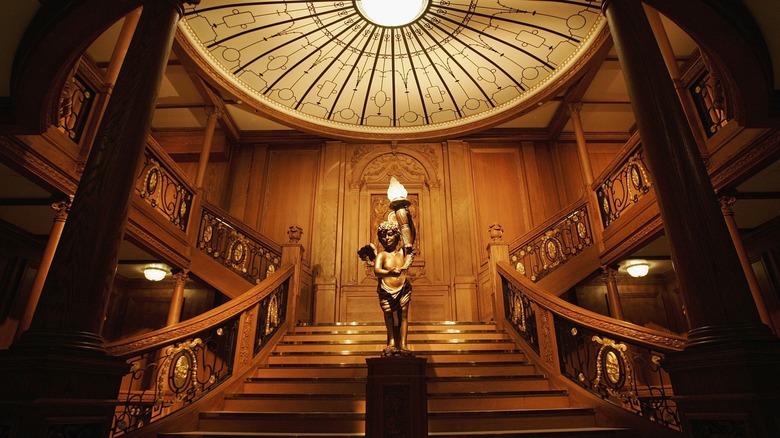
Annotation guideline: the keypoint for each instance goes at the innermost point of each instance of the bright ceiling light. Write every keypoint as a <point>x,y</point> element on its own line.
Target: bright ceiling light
<point>154,273</point>
<point>637,268</point>
<point>392,13</point>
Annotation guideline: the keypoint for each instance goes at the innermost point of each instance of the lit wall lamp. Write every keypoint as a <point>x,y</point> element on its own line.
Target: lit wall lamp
<point>637,268</point>
<point>154,273</point>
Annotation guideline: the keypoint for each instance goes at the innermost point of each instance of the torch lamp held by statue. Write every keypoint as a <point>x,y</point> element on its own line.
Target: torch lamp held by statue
<point>397,194</point>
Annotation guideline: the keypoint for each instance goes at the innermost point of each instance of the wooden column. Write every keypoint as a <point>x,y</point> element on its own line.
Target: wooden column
<point>109,81</point>
<point>573,111</point>
<point>613,295</point>
<point>60,361</point>
<point>62,208</point>
<point>727,374</point>
<point>177,299</point>
<point>728,214</point>
<point>213,115</point>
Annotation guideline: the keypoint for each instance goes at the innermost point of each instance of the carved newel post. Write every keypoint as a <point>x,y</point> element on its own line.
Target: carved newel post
<point>292,253</point>
<point>498,251</point>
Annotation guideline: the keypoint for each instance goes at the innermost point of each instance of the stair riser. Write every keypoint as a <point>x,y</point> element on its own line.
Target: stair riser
<point>509,422</point>
<point>293,359</point>
<point>377,347</point>
<point>380,327</point>
<point>497,403</point>
<point>382,337</point>
<point>478,385</point>
<point>491,370</point>
<point>282,426</point>
<point>296,405</point>
<point>305,387</point>
<point>312,372</point>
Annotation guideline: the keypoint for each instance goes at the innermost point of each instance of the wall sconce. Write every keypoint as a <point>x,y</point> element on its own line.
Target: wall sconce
<point>637,268</point>
<point>154,273</point>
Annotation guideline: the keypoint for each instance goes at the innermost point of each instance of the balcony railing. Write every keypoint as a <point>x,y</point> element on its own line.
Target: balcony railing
<point>163,189</point>
<point>239,248</point>
<point>553,244</point>
<point>614,360</point>
<point>624,186</point>
<point>175,366</point>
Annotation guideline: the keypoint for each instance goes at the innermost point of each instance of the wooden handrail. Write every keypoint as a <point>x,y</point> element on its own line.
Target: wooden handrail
<point>619,329</point>
<point>169,335</point>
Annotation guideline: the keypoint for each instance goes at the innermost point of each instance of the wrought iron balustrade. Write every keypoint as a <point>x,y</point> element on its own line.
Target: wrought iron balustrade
<point>173,367</point>
<point>160,188</point>
<point>614,360</point>
<point>162,381</point>
<point>624,187</point>
<point>620,371</point>
<point>243,253</point>
<point>553,246</point>
<point>75,102</point>
<point>709,103</point>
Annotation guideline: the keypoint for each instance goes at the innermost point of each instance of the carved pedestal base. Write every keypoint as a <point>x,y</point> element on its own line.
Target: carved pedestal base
<point>396,397</point>
<point>51,392</point>
<point>729,389</point>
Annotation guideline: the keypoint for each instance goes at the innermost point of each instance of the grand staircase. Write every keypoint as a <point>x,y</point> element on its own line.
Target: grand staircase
<point>479,385</point>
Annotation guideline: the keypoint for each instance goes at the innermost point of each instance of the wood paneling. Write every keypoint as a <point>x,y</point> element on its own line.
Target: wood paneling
<point>500,194</point>
<point>288,198</point>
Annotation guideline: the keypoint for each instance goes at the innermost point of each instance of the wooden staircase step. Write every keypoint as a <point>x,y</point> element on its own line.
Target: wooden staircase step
<point>381,336</point>
<point>579,432</point>
<point>414,327</point>
<point>419,347</point>
<point>305,385</point>
<point>360,357</point>
<point>533,382</point>
<point>476,369</point>
<point>464,401</point>
<point>334,371</point>
<point>308,423</point>
<point>304,402</point>
<point>469,420</point>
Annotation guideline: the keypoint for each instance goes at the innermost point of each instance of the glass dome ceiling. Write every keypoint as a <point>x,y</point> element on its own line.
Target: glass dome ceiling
<point>458,66</point>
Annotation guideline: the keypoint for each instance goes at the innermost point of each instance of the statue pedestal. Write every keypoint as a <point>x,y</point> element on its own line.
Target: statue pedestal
<point>396,397</point>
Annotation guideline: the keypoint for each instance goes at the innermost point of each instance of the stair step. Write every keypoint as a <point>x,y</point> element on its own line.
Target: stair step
<point>464,401</point>
<point>436,357</point>
<point>414,327</point>
<point>303,402</point>
<point>468,420</point>
<point>419,348</point>
<point>304,385</point>
<point>459,384</point>
<point>344,423</point>
<point>381,336</point>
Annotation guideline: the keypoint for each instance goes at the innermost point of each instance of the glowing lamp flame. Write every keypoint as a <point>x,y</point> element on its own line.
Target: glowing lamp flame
<point>396,190</point>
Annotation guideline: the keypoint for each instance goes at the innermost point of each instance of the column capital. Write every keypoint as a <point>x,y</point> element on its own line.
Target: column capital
<point>573,108</point>
<point>214,112</point>
<point>180,275</point>
<point>726,202</point>
<point>62,208</point>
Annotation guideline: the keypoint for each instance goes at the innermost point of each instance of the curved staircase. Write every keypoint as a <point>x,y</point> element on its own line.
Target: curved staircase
<point>479,385</point>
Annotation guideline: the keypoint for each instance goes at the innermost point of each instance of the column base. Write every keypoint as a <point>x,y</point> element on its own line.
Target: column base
<point>729,389</point>
<point>396,397</point>
<point>58,390</point>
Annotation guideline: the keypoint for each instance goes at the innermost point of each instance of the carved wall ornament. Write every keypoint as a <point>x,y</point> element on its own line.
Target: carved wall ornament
<point>405,167</point>
<point>294,233</point>
<point>496,232</point>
